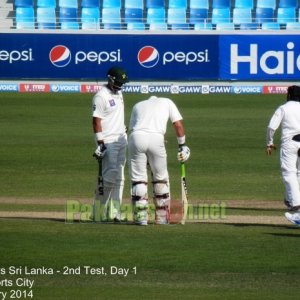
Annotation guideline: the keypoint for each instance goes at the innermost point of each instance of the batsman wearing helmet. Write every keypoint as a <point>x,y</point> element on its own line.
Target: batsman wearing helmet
<point>111,140</point>
<point>146,144</point>
<point>288,116</point>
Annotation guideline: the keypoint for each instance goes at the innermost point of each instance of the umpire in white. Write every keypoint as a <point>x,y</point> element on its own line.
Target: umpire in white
<point>288,116</point>
<point>146,144</point>
<point>111,139</point>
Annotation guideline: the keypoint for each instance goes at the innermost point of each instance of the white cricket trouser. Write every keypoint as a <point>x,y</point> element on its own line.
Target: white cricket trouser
<point>290,170</point>
<point>143,146</point>
<point>113,164</point>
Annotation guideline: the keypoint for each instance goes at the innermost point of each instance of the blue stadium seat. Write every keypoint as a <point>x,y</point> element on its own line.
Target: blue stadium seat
<point>112,26</point>
<point>288,3</point>
<point>23,3</point>
<point>69,25</point>
<point>225,26</point>
<point>111,15</point>
<point>220,15</point>
<point>286,14</point>
<point>244,4</point>
<point>46,3</point>
<point>270,26</point>
<point>266,4</point>
<point>198,15</point>
<point>263,14</point>
<point>156,15</point>
<point>221,4</point>
<point>25,18</point>
<point>90,3</point>
<point>46,17</point>
<point>178,4</point>
<point>132,15</point>
<point>203,26</point>
<point>293,25</point>
<point>176,15</point>
<point>90,17</point>
<point>111,3</point>
<point>155,3</point>
<point>242,15</point>
<point>135,26</point>
<point>134,4</point>
<point>199,4</point>
<point>68,3</point>
<point>68,14</point>
<point>158,26</point>
<point>249,26</point>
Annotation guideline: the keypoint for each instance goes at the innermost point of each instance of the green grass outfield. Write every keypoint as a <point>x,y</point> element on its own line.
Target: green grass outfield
<point>46,153</point>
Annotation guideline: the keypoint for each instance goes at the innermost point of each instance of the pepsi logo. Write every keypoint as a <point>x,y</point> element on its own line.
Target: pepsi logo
<point>148,57</point>
<point>60,56</point>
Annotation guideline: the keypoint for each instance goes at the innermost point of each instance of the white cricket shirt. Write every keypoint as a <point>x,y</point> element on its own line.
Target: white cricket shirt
<point>288,115</point>
<point>152,115</point>
<point>109,107</point>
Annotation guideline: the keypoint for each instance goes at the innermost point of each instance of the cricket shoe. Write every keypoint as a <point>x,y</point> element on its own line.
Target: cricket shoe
<point>142,223</point>
<point>288,204</point>
<point>293,218</point>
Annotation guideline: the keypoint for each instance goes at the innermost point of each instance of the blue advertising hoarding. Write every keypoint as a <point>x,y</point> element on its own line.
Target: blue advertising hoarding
<point>259,57</point>
<point>88,56</point>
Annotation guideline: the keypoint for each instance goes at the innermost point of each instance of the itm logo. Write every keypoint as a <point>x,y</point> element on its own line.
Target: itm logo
<point>60,56</point>
<point>148,57</point>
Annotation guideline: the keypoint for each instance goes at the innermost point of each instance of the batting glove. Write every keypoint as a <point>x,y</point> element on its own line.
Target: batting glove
<point>270,148</point>
<point>183,153</point>
<point>100,151</point>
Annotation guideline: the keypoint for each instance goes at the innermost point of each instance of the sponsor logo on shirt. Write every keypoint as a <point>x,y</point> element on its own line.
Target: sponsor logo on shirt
<point>112,102</point>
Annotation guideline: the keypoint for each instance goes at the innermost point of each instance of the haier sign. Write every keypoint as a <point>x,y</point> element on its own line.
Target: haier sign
<point>260,57</point>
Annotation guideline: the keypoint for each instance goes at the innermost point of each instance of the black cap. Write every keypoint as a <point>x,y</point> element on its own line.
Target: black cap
<point>118,75</point>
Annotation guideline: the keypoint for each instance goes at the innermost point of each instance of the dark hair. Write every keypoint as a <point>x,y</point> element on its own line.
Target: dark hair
<point>293,93</point>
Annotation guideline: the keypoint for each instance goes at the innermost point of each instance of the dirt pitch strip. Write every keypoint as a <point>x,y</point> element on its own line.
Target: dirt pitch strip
<point>228,219</point>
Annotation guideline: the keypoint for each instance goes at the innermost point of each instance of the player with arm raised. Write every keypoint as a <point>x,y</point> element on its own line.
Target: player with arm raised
<point>148,124</point>
<point>111,141</point>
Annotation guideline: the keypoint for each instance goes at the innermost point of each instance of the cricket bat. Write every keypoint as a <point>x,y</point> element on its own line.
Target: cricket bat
<point>99,192</point>
<point>184,197</point>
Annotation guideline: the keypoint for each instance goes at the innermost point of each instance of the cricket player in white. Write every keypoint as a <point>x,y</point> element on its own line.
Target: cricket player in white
<point>148,124</point>
<point>288,116</point>
<point>111,139</point>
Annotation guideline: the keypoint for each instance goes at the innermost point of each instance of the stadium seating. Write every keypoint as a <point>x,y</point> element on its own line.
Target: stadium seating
<point>199,4</point>
<point>111,3</point>
<point>134,4</point>
<point>244,4</point>
<point>112,26</point>
<point>266,4</point>
<point>270,26</point>
<point>221,4</point>
<point>177,18</point>
<point>225,26</point>
<point>288,3</point>
<point>220,15</point>
<point>90,18</point>
<point>249,26</point>
<point>155,3</point>
<point>68,3</point>
<point>25,18</point>
<point>156,15</point>
<point>133,15</point>
<point>111,15</point>
<point>293,25</point>
<point>46,3</point>
<point>90,3</point>
<point>46,17</point>
<point>69,25</point>
<point>178,4</point>
<point>286,14</point>
<point>242,15</point>
<point>264,14</point>
<point>203,26</point>
<point>23,3</point>
<point>136,26</point>
<point>198,15</point>
<point>158,26</point>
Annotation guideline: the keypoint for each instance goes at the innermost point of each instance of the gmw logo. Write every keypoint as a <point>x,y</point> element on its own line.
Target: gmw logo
<point>61,56</point>
<point>148,57</point>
